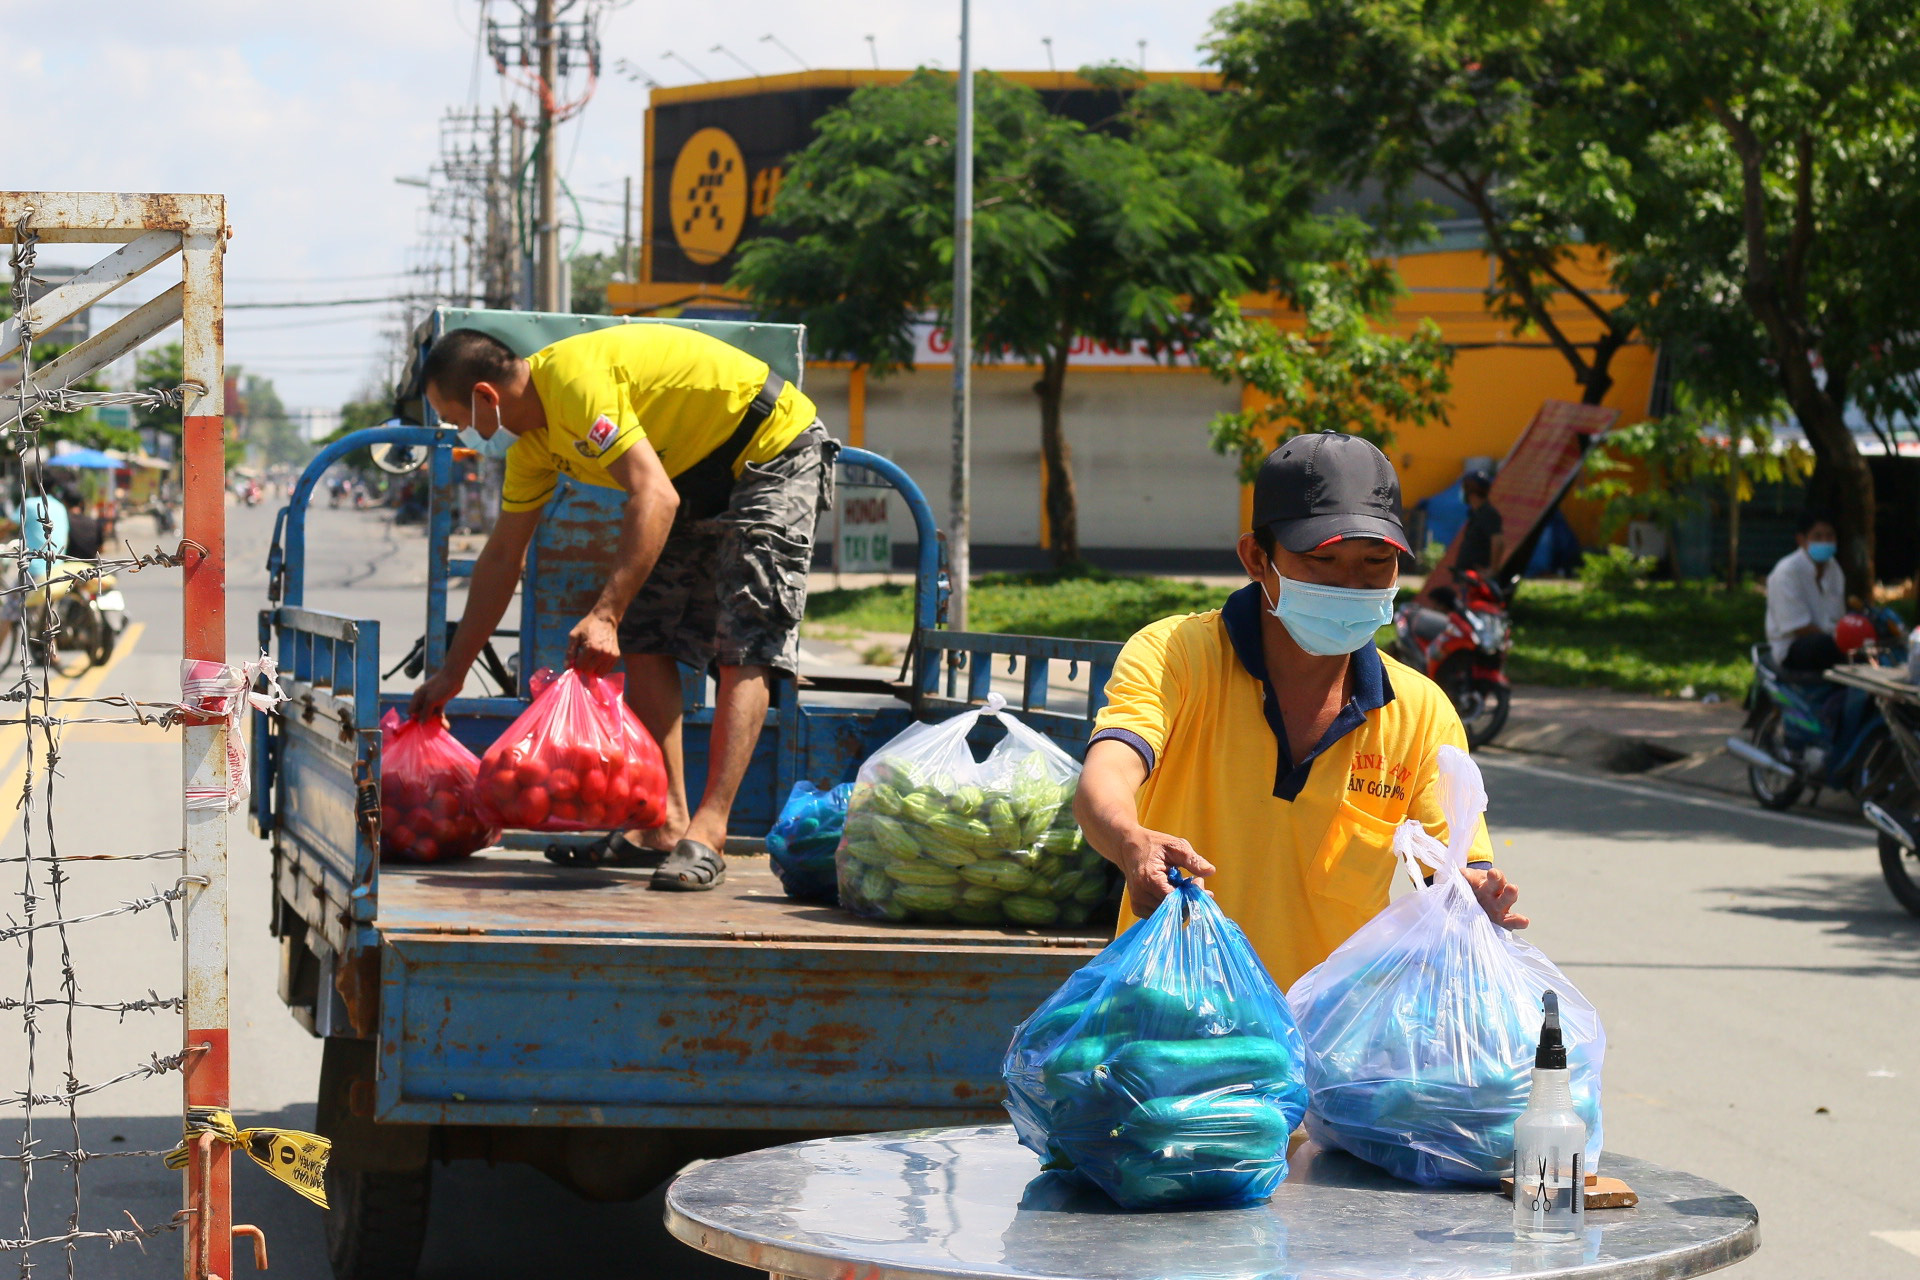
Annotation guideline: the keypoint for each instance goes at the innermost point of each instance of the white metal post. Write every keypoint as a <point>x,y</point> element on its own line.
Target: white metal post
<point>959,534</point>
<point>205,638</point>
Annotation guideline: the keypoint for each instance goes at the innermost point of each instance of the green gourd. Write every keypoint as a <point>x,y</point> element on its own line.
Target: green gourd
<point>1162,1068</point>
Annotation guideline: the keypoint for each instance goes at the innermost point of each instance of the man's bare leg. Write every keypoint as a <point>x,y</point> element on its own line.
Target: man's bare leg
<point>739,713</point>
<point>653,691</point>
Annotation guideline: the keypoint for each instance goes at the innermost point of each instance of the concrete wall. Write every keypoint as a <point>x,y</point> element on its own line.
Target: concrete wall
<point>1152,494</point>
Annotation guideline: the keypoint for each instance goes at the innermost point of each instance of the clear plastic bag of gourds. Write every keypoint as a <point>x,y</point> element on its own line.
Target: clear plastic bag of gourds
<point>937,836</point>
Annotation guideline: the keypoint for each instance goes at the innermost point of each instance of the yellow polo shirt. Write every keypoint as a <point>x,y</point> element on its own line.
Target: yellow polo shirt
<point>1303,849</point>
<point>678,389</point>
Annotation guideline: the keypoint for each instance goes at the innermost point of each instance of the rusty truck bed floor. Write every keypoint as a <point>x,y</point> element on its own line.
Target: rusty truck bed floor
<point>507,893</point>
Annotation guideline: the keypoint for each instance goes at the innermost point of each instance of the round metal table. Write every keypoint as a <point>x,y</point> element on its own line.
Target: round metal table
<point>929,1204</point>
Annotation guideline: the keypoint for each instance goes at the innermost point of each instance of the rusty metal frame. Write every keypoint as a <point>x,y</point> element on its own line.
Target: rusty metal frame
<point>151,229</point>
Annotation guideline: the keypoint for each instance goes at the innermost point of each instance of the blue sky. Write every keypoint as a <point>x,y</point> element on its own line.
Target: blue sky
<point>303,113</point>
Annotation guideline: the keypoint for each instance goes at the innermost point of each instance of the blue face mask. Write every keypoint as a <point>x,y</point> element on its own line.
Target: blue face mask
<point>1821,552</point>
<point>1329,621</point>
<point>493,446</point>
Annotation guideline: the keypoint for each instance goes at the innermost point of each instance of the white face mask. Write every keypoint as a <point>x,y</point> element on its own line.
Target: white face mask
<point>1328,621</point>
<point>493,446</point>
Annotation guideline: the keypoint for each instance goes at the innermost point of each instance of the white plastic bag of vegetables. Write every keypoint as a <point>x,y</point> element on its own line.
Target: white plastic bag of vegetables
<point>935,835</point>
<point>1421,1027</point>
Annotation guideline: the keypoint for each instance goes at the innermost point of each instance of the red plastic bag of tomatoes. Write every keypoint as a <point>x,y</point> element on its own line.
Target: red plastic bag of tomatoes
<point>578,759</point>
<point>426,793</point>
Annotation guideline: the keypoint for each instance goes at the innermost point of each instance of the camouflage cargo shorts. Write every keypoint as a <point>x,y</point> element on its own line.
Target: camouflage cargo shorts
<point>730,590</point>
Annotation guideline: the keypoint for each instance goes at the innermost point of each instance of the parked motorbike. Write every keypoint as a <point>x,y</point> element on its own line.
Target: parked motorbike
<point>1462,646</point>
<point>1794,740</point>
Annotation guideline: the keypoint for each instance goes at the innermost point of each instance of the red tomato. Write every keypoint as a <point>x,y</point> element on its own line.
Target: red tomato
<point>448,803</point>
<point>564,811</point>
<point>593,787</point>
<point>531,773</point>
<point>389,818</point>
<point>593,815</point>
<point>588,756</point>
<point>426,850</point>
<point>563,784</point>
<point>534,804</point>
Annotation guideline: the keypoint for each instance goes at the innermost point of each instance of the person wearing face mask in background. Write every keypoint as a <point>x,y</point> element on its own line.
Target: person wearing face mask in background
<point>1269,746</point>
<point>725,467</point>
<point>1806,596</point>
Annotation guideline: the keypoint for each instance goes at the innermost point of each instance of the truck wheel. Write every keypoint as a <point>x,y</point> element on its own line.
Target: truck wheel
<point>376,1222</point>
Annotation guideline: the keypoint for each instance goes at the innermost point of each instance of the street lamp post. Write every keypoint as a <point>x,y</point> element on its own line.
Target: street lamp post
<point>958,533</point>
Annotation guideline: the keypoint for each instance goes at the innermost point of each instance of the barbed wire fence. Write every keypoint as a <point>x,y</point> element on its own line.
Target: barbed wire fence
<point>50,621</point>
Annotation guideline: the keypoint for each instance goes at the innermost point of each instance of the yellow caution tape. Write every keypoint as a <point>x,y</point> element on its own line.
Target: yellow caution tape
<point>297,1159</point>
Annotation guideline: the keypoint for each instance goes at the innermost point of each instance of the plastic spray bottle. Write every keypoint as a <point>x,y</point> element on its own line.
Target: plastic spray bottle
<point>1549,1147</point>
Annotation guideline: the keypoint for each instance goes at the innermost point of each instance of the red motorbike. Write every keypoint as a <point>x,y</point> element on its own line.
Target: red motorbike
<point>1462,646</point>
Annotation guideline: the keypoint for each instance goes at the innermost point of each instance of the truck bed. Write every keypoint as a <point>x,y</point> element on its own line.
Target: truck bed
<point>514,991</point>
<point>518,893</point>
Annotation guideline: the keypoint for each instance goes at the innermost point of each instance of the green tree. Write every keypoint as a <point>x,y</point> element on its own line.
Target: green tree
<point>589,275</point>
<point>1765,236</point>
<point>1484,103</point>
<point>370,410</point>
<point>158,368</point>
<point>1665,468</point>
<point>1078,233</point>
<point>1337,372</point>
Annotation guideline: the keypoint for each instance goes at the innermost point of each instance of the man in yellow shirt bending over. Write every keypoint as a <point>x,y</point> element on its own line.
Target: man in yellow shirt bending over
<point>725,467</point>
<point>1269,746</point>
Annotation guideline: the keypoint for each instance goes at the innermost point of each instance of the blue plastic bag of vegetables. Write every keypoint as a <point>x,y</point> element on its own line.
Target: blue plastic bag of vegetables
<point>1168,1071</point>
<point>1422,1025</point>
<point>803,839</point>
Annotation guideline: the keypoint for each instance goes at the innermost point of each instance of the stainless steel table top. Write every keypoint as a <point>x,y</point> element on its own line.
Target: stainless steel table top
<point>971,1202</point>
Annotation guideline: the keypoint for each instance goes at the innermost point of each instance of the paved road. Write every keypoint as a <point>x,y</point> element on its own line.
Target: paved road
<point>1758,984</point>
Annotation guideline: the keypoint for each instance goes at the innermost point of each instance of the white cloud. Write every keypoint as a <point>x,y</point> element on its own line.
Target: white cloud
<point>303,113</point>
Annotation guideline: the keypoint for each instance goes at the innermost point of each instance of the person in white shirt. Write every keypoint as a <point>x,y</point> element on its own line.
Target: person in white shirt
<point>1806,596</point>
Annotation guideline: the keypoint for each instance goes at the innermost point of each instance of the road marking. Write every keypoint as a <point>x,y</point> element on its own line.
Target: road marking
<point>1908,1240</point>
<point>83,685</point>
<point>1829,827</point>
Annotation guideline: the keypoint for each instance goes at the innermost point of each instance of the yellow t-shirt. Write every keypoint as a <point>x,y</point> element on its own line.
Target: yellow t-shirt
<point>1303,852</point>
<point>678,389</point>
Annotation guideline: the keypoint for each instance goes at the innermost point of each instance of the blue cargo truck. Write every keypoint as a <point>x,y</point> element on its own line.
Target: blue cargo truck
<point>508,1009</point>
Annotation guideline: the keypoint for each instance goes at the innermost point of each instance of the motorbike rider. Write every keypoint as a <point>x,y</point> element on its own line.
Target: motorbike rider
<point>1483,539</point>
<point>1806,597</point>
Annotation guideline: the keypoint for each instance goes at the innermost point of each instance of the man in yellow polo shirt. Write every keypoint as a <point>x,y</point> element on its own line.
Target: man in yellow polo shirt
<point>714,544</point>
<point>1269,746</point>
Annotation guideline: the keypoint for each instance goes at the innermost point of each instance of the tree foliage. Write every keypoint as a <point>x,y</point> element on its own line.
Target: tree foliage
<point>1663,469</point>
<point>1338,372</point>
<point>1108,234</point>
<point>1764,237</point>
<point>1481,103</point>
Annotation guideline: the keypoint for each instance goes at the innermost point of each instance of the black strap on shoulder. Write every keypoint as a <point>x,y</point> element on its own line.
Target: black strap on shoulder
<point>707,485</point>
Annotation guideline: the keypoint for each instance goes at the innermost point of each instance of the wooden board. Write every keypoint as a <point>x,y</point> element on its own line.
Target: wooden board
<point>509,893</point>
<point>1602,1193</point>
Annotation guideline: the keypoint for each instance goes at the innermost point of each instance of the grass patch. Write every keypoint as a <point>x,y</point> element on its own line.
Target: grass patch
<point>1079,606</point>
<point>1659,637</point>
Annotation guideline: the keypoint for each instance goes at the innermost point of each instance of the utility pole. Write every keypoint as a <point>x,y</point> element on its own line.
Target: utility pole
<point>959,548</point>
<point>550,45</point>
<point>626,233</point>
<point>547,295</point>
